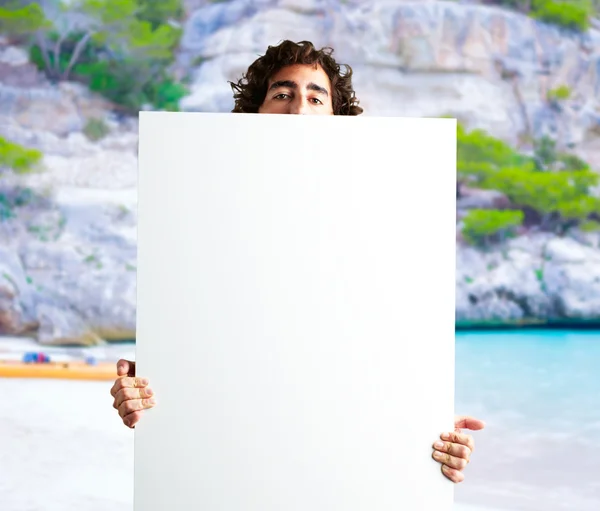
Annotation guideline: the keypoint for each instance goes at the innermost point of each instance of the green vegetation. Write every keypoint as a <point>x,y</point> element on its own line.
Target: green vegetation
<point>547,157</point>
<point>18,158</point>
<point>572,15</point>
<point>122,49</point>
<point>479,155</point>
<point>559,93</point>
<point>157,12</point>
<point>16,198</point>
<point>558,198</point>
<point>590,226</point>
<point>482,226</point>
<point>95,129</point>
<point>16,20</point>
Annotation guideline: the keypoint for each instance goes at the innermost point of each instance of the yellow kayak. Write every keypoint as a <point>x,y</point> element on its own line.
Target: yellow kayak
<point>63,370</point>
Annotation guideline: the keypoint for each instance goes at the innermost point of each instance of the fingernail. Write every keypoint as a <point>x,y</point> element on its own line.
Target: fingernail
<point>149,391</point>
<point>436,454</point>
<point>446,436</point>
<point>152,401</point>
<point>144,381</point>
<point>438,445</point>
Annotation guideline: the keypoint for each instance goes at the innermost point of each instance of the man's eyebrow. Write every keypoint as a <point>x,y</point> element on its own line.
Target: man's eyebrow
<point>317,88</point>
<point>284,83</point>
<point>293,85</point>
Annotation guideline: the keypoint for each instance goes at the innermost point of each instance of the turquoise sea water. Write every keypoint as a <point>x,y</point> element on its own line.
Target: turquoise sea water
<point>539,391</point>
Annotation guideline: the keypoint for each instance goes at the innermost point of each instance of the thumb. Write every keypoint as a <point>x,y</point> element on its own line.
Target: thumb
<point>467,422</point>
<point>125,368</point>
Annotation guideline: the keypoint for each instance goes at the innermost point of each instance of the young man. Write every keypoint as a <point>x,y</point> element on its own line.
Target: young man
<point>295,78</point>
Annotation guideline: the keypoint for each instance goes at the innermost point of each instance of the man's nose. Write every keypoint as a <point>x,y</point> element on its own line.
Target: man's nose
<point>299,106</point>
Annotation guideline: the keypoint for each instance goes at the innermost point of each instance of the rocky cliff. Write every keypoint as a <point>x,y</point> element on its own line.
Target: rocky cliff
<point>490,67</point>
<point>68,256</point>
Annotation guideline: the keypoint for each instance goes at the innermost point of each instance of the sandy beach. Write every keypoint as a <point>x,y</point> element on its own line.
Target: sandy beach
<point>63,447</point>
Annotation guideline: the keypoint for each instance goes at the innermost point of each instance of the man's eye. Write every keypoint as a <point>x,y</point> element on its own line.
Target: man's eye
<point>281,96</point>
<point>318,101</point>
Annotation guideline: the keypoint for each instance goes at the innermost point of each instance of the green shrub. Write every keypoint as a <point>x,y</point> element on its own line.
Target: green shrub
<point>132,84</point>
<point>159,12</point>
<point>17,20</point>
<point>561,198</point>
<point>480,155</point>
<point>18,158</point>
<point>545,152</point>
<point>166,94</point>
<point>12,199</point>
<point>546,155</point>
<point>570,15</point>
<point>95,129</point>
<point>123,51</point>
<point>590,226</point>
<point>6,208</point>
<point>484,225</point>
<point>563,193</point>
<point>477,145</point>
<point>559,93</point>
<point>572,162</point>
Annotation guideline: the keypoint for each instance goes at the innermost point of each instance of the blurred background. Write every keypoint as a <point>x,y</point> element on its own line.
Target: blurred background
<point>521,76</point>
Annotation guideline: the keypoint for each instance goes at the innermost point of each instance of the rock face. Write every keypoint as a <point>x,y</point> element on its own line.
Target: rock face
<point>489,67</point>
<point>68,256</point>
<point>532,278</point>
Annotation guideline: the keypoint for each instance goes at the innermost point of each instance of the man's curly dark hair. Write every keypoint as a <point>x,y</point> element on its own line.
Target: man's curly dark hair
<point>250,91</point>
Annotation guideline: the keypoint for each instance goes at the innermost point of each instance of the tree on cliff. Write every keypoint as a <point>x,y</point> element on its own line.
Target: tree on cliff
<point>556,190</point>
<point>121,48</point>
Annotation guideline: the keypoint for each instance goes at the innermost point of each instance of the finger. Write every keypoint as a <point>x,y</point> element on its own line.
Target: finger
<point>135,405</point>
<point>467,422</point>
<point>126,381</point>
<point>125,368</point>
<point>460,438</point>
<point>132,419</point>
<point>454,475</point>
<point>458,450</point>
<point>450,461</point>
<point>132,393</point>
<point>122,367</point>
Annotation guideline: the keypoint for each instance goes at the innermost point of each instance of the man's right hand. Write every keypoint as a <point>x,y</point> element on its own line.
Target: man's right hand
<point>131,395</point>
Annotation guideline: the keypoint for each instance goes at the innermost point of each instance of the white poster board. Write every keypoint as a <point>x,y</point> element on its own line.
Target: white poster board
<point>295,312</point>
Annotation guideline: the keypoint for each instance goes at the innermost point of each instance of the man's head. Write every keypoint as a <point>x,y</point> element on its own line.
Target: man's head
<point>296,78</point>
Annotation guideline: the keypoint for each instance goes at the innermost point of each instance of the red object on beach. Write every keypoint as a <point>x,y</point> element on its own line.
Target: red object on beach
<point>42,358</point>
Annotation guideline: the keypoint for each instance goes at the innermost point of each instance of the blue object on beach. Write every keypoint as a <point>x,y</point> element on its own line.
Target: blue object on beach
<point>29,357</point>
<point>91,361</point>
<point>33,357</point>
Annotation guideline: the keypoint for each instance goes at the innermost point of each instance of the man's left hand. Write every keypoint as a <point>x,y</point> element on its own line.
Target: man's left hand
<point>454,450</point>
